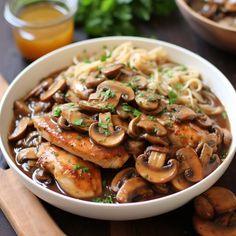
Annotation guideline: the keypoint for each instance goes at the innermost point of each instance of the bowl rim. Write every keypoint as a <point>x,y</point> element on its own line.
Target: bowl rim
<point>183,4</point>
<point>62,197</point>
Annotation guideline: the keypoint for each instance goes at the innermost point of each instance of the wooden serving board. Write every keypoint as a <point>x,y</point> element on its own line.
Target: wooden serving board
<point>23,210</point>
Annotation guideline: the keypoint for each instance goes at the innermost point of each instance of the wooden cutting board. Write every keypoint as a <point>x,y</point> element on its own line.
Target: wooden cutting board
<point>23,210</point>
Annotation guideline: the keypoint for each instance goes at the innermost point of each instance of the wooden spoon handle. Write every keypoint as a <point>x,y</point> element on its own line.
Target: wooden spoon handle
<point>23,210</point>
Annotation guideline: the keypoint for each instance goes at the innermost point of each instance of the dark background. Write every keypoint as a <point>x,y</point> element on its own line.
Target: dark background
<point>175,30</point>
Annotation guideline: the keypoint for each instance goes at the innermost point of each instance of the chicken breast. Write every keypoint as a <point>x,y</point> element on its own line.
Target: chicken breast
<point>78,178</point>
<point>80,146</point>
<point>187,134</point>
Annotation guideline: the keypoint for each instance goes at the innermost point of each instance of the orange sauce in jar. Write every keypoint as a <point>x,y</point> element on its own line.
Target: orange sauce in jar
<point>46,29</point>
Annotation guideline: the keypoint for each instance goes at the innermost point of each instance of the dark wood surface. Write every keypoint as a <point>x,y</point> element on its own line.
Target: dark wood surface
<point>174,30</point>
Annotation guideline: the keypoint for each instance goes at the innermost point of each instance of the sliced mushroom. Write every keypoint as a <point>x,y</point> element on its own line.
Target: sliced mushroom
<point>222,199</point>
<point>153,167</point>
<point>133,130</point>
<point>204,121</point>
<point>37,107</point>
<point>117,121</point>
<point>58,85</point>
<point>78,87</point>
<point>71,97</point>
<point>27,154</point>
<point>147,100</point>
<point>209,160</point>
<point>182,113</point>
<point>121,177</point>
<point>180,182</point>
<point>124,111</point>
<point>111,71</point>
<point>204,208</point>
<point>33,139</point>
<point>152,127</point>
<point>63,123</point>
<point>227,137</point>
<point>21,108</point>
<point>133,189</point>
<point>77,119</point>
<point>209,9</point>
<point>59,97</point>
<point>39,88</point>
<point>134,81</point>
<point>193,170</point>
<point>211,228</point>
<point>117,87</point>
<point>42,176</point>
<point>103,132</point>
<point>94,79</point>
<point>20,129</point>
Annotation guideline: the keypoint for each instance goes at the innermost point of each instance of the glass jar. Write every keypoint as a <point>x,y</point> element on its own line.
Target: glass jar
<point>41,26</point>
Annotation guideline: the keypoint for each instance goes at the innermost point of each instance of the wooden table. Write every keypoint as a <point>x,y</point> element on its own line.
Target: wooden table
<point>178,222</point>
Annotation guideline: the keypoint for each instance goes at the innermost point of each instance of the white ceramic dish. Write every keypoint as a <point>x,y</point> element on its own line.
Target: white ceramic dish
<point>58,59</point>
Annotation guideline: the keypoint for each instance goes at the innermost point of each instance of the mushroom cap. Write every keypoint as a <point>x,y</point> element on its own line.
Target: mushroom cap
<point>203,208</point>
<point>152,127</point>
<point>222,199</point>
<point>26,154</point>
<point>94,79</point>
<point>58,84</point>
<point>156,174</point>
<point>121,177</point>
<point>182,113</point>
<point>111,140</point>
<point>21,108</point>
<point>77,119</point>
<point>97,106</point>
<point>20,129</point>
<point>147,100</point>
<point>155,139</point>
<point>180,182</point>
<point>112,70</point>
<point>133,130</point>
<point>62,123</point>
<point>230,5</point>
<point>211,228</point>
<point>135,147</point>
<point>209,160</point>
<point>204,121</point>
<point>117,121</point>
<point>133,188</point>
<point>161,188</point>
<point>193,170</point>
<point>127,93</point>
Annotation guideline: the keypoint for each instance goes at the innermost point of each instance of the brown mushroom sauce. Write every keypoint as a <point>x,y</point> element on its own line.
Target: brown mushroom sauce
<point>220,11</point>
<point>170,146</point>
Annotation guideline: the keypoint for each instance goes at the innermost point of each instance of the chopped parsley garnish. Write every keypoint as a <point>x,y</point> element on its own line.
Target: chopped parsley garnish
<point>172,97</point>
<point>107,94</point>
<point>137,78</point>
<point>128,108</point>
<point>132,85</point>
<point>224,115</point>
<point>79,122</point>
<point>104,182</point>
<point>80,167</point>
<point>151,117</point>
<point>55,154</point>
<point>108,106</point>
<point>179,86</point>
<point>82,80</point>
<point>169,125</point>
<point>105,57</point>
<point>87,61</point>
<point>106,199</point>
<point>79,137</point>
<point>57,111</point>
<point>183,67</point>
<point>152,98</point>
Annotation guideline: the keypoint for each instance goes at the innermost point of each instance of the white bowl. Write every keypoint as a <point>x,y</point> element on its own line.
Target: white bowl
<point>61,58</point>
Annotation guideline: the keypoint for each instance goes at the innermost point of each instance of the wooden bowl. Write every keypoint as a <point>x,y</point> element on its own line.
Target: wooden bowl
<point>223,37</point>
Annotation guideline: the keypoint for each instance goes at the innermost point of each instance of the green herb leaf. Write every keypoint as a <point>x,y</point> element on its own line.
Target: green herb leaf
<point>57,111</point>
<point>79,122</point>
<point>80,167</point>
<point>224,115</point>
<point>172,97</point>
